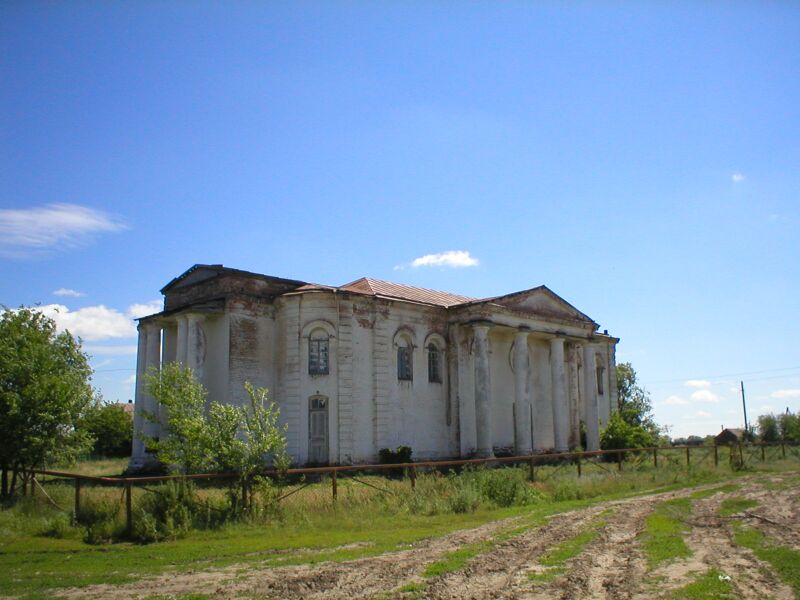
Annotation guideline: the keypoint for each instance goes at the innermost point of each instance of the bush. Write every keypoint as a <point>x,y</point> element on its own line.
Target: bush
<point>59,527</point>
<point>100,517</point>
<point>620,434</point>
<point>395,457</point>
<point>112,429</point>
<point>501,487</point>
<point>166,513</point>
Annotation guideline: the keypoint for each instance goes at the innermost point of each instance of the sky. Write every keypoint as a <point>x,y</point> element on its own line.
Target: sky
<point>642,160</point>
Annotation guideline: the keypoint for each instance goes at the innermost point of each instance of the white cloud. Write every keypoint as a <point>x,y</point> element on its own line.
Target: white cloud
<point>675,400</point>
<point>96,350</point>
<point>136,311</point>
<point>34,231</point>
<point>129,381</point>
<point>92,322</point>
<point>702,413</point>
<point>68,292</point>
<point>452,258</point>
<point>704,396</point>
<point>697,383</point>
<point>737,178</point>
<point>790,393</point>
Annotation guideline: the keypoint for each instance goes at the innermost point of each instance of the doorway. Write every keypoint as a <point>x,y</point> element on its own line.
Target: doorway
<point>318,430</point>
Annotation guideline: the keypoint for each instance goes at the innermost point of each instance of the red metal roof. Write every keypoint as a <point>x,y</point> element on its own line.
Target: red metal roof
<point>376,287</point>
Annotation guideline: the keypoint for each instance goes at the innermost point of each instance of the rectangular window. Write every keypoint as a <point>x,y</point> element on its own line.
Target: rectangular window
<point>318,357</point>
<point>404,372</point>
<point>434,366</point>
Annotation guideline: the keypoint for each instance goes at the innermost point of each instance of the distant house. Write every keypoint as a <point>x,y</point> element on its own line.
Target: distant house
<point>730,436</point>
<point>126,406</point>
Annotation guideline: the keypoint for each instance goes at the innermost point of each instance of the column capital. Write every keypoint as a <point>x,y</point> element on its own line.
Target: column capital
<point>481,325</point>
<point>194,317</point>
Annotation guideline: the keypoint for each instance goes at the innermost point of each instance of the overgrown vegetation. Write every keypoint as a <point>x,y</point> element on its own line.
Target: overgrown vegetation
<point>111,428</point>
<point>632,425</point>
<point>731,506</point>
<point>783,559</point>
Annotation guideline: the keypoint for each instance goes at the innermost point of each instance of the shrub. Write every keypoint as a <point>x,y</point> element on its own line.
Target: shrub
<point>395,457</point>
<point>58,526</point>
<point>100,517</point>
<point>166,513</point>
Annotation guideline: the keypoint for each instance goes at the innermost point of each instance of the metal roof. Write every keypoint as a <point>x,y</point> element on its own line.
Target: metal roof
<point>376,287</point>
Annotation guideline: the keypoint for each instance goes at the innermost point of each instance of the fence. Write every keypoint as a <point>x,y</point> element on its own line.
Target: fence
<point>736,456</point>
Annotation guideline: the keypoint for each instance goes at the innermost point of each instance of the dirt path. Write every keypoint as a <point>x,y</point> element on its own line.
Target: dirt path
<point>610,566</point>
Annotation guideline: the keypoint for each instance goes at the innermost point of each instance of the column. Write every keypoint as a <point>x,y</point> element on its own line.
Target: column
<point>137,453</point>
<point>183,328</point>
<point>559,389</point>
<point>591,415</point>
<point>153,362</point>
<point>194,342</point>
<point>522,405</point>
<point>483,401</point>
<point>613,393</point>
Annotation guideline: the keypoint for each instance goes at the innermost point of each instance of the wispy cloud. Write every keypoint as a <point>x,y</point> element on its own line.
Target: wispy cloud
<point>26,232</point>
<point>129,381</point>
<point>68,292</point>
<point>737,178</point>
<point>675,401</point>
<point>697,383</point>
<point>790,393</point>
<point>454,259</point>
<point>702,413</point>
<point>704,396</point>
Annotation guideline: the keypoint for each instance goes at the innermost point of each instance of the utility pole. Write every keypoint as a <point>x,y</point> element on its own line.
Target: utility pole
<point>744,408</point>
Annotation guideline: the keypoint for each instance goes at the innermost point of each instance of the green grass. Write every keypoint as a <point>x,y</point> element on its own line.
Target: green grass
<point>731,506</point>
<point>785,561</point>
<point>664,531</point>
<point>722,489</point>
<point>455,560</point>
<point>710,586</point>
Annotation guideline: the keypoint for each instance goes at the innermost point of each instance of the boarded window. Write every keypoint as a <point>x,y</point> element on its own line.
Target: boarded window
<point>404,369</point>
<point>318,363</point>
<point>434,364</point>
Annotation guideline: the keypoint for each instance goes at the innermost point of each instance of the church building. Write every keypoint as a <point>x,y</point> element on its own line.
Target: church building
<point>372,364</point>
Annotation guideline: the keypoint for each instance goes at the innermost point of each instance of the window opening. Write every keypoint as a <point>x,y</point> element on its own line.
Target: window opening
<point>318,353</point>
<point>404,370</point>
<point>434,364</point>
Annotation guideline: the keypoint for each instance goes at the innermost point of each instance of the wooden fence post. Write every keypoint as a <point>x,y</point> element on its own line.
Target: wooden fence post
<point>688,460</point>
<point>333,485</point>
<point>655,458</point>
<point>77,497</point>
<point>763,453</point>
<point>33,485</point>
<point>619,460</point>
<point>579,466</point>
<point>532,471</point>
<point>716,456</point>
<point>413,475</point>
<point>129,508</point>
<point>783,449</point>
<point>741,454</point>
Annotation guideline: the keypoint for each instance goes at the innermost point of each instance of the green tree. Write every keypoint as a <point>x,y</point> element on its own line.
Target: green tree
<point>768,429</point>
<point>632,425</point>
<point>44,394</point>
<point>111,426</point>
<point>789,425</point>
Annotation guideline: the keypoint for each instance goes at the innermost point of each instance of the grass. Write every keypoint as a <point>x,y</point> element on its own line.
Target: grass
<point>664,531</point>
<point>731,506</point>
<point>309,527</point>
<point>712,585</point>
<point>455,560</point>
<point>707,493</point>
<point>785,561</point>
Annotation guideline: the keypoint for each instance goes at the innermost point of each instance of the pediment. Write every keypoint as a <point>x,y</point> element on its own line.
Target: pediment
<point>543,302</point>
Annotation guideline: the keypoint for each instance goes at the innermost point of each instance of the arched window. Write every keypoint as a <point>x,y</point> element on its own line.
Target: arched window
<point>405,364</point>
<point>434,363</point>
<point>318,352</point>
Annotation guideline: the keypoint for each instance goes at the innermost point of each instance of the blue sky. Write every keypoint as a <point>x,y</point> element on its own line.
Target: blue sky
<point>641,159</point>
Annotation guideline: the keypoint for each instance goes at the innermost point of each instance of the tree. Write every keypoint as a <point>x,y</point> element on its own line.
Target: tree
<point>789,425</point>
<point>632,425</point>
<point>768,429</point>
<point>44,394</point>
<point>112,429</point>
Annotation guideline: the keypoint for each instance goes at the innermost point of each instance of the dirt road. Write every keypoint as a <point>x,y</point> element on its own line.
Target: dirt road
<point>611,565</point>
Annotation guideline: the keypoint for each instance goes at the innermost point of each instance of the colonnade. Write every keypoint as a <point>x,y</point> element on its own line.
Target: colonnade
<point>176,339</point>
<point>522,393</point>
